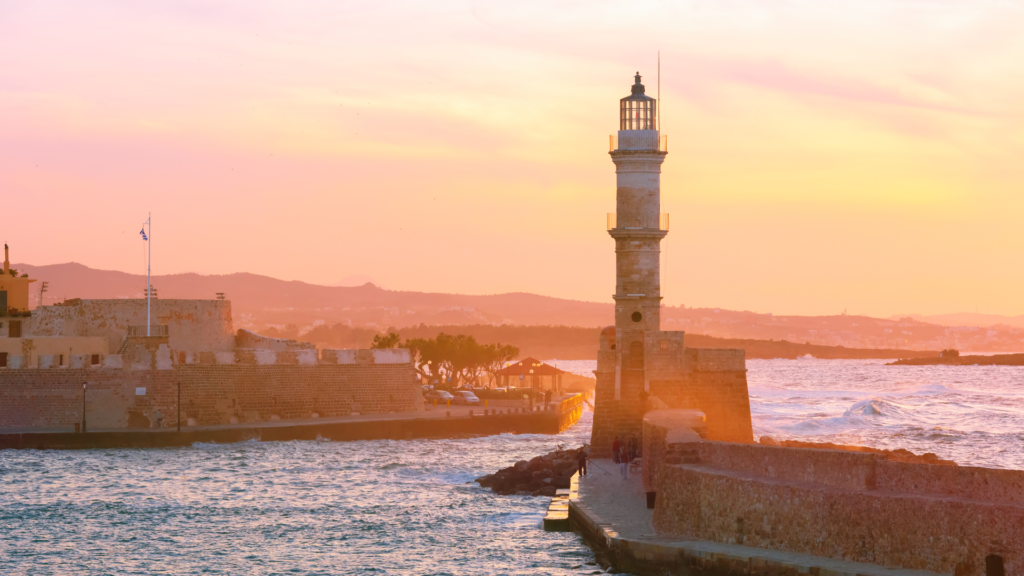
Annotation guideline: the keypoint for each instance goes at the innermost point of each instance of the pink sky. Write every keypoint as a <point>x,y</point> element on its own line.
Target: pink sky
<point>823,154</point>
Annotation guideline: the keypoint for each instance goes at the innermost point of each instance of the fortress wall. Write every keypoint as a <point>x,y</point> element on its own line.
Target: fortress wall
<point>845,505</point>
<point>724,398</point>
<point>955,481</point>
<point>603,428</point>
<point>210,392</point>
<point>948,536</point>
<point>194,324</point>
<point>833,468</point>
<point>709,380</point>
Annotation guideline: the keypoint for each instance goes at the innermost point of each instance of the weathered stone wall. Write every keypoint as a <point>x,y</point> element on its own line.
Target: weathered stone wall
<point>193,324</point>
<point>837,504</point>
<point>210,392</point>
<point>712,381</point>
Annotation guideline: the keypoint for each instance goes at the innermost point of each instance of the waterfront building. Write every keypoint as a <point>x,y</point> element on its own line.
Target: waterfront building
<point>18,345</point>
<point>13,288</point>
<point>529,373</point>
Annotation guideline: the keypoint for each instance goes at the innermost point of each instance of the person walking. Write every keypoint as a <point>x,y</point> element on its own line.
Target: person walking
<point>624,463</point>
<point>547,398</point>
<point>581,460</point>
<point>616,445</point>
<point>634,447</point>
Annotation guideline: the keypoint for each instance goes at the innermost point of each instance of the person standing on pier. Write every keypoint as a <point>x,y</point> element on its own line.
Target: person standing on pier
<point>624,462</point>
<point>581,459</point>
<point>615,450</point>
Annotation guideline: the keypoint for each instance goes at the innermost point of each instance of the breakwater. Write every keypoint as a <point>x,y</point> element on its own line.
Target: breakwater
<point>439,422</point>
<point>832,504</point>
<point>540,476</point>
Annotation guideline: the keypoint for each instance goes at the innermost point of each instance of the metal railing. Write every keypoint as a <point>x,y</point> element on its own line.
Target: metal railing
<point>637,222</point>
<point>641,143</point>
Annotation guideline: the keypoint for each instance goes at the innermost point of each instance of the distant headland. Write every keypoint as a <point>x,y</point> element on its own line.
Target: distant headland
<point>953,358</point>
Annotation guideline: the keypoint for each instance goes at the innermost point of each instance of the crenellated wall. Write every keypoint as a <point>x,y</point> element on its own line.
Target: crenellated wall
<point>853,506</point>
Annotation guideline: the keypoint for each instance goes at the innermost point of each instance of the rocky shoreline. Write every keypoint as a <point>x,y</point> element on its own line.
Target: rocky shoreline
<point>898,455</point>
<point>541,476</point>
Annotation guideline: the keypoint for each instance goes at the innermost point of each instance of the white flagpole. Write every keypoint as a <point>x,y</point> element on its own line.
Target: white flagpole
<point>149,268</point>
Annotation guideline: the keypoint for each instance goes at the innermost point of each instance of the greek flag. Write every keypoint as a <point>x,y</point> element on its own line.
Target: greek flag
<point>143,232</point>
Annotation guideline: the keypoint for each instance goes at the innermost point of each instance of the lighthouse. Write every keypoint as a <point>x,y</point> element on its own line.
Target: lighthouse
<point>637,227</point>
<point>639,366</point>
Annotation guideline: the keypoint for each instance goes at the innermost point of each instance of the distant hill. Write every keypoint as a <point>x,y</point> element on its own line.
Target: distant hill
<point>260,301</point>
<point>970,319</point>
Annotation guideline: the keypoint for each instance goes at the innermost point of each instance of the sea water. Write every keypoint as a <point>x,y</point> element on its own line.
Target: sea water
<point>410,507</point>
<point>301,507</point>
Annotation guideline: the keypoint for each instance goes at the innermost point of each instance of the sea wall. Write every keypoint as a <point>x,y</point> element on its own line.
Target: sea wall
<point>837,504</point>
<point>211,393</point>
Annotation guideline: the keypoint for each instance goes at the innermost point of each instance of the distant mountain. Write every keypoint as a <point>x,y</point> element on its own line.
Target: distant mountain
<point>970,319</point>
<point>259,301</point>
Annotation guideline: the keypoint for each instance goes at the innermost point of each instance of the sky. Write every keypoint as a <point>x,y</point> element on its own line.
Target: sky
<point>823,155</point>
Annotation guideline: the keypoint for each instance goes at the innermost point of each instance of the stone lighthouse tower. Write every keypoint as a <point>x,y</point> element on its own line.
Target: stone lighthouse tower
<point>637,227</point>
<point>640,367</point>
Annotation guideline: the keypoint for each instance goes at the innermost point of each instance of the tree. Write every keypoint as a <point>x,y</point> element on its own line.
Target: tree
<point>495,356</point>
<point>381,341</point>
<point>458,358</point>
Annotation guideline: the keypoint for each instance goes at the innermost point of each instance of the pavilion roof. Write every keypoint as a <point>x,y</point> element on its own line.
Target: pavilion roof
<point>526,364</point>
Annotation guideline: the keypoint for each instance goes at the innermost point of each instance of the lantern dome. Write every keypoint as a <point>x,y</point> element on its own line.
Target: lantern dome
<point>638,111</point>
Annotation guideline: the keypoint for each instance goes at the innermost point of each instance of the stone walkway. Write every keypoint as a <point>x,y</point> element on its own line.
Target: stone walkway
<point>620,502</point>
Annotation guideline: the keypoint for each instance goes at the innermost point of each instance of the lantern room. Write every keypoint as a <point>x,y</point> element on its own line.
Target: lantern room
<point>638,111</point>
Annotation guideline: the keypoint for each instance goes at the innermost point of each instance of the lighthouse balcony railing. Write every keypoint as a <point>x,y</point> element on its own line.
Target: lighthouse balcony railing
<point>637,222</point>
<point>638,140</point>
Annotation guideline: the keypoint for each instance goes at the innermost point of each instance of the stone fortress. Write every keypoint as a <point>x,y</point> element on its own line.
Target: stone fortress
<point>723,504</point>
<point>130,373</point>
<point>639,366</point>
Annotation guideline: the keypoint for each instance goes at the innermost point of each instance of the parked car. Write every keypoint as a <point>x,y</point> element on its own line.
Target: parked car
<point>466,397</point>
<point>441,396</point>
